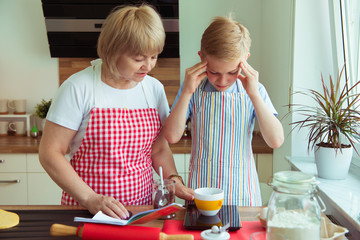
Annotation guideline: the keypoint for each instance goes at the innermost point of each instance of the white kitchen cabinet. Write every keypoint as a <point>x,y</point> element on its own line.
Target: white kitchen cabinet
<point>33,163</point>
<point>182,169</point>
<point>264,166</point>
<point>13,180</point>
<point>23,181</point>
<point>12,163</point>
<point>13,188</point>
<point>42,190</point>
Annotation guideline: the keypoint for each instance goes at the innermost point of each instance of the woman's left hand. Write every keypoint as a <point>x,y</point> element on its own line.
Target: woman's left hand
<point>183,192</point>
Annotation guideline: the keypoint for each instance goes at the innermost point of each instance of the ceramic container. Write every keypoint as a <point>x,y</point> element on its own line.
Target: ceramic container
<point>209,200</point>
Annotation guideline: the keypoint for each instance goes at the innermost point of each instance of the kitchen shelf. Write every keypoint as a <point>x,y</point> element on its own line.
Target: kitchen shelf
<point>26,118</point>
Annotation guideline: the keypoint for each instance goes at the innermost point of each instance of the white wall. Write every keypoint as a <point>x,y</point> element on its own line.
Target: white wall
<point>28,71</point>
<point>26,68</point>
<point>270,25</point>
<point>195,16</point>
<point>313,55</point>
<point>276,65</point>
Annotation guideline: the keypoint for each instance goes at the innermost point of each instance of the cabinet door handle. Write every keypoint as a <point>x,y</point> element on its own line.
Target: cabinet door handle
<point>10,181</point>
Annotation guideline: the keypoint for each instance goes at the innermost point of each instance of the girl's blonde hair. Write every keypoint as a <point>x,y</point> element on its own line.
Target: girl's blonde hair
<point>225,39</point>
<point>135,30</point>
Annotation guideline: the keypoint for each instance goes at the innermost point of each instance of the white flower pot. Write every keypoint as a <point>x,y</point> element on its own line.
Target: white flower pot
<point>333,164</point>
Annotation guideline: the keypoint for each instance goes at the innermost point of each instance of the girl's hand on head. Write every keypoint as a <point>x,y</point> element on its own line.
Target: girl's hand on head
<point>249,78</point>
<point>193,77</point>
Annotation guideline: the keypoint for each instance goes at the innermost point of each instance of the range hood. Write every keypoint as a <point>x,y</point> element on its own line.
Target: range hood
<point>73,26</point>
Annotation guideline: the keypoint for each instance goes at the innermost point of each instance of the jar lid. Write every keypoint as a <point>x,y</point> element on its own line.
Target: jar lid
<point>294,182</point>
<point>209,235</point>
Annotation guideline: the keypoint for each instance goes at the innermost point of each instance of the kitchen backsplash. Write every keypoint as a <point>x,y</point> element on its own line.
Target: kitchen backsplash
<point>167,70</point>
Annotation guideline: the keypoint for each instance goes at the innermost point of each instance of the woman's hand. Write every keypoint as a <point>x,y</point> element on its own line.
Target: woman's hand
<point>250,79</point>
<point>193,77</point>
<point>183,192</point>
<point>108,205</point>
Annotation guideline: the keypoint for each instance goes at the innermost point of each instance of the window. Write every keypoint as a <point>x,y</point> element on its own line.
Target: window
<point>346,22</point>
<point>351,24</point>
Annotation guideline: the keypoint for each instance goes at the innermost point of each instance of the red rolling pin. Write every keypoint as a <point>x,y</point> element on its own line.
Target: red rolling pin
<point>92,231</point>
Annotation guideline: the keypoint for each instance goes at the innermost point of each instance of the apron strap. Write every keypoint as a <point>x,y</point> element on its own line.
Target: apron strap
<point>146,93</point>
<point>199,92</point>
<point>96,64</point>
<point>238,84</point>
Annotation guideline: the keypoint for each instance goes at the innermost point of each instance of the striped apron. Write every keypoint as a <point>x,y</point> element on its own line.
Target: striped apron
<point>114,158</point>
<point>221,156</point>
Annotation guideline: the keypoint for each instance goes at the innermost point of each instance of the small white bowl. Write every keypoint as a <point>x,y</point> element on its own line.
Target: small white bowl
<point>262,216</point>
<point>209,200</point>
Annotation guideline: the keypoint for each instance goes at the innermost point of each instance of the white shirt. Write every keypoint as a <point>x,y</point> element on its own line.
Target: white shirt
<point>75,98</point>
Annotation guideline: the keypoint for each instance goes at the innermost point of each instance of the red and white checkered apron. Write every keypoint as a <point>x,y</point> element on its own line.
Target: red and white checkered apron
<point>114,158</point>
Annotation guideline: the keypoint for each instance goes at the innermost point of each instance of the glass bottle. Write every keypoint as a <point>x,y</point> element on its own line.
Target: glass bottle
<point>293,208</point>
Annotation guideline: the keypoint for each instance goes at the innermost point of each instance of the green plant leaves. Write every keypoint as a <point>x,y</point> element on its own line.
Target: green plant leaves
<point>336,112</point>
<point>42,109</point>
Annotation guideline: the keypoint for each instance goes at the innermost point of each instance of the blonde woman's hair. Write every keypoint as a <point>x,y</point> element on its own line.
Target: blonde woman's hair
<point>225,39</point>
<point>135,30</point>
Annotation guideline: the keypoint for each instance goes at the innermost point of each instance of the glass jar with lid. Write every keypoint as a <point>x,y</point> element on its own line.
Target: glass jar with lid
<point>293,208</point>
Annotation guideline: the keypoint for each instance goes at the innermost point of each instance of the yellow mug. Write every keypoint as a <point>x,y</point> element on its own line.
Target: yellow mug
<point>209,200</point>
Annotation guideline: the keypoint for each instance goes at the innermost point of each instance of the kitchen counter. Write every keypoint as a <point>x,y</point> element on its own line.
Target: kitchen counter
<point>340,196</point>
<point>16,144</point>
<point>19,144</point>
<point>35,221</point>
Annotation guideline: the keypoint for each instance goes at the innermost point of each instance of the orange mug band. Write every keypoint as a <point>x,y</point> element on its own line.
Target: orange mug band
<point>208,205</point>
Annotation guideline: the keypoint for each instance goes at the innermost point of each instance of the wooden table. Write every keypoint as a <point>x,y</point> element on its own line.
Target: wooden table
<point>35,221</point>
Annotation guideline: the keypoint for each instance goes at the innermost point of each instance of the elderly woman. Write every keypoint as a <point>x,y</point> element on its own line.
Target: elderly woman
<point>110,115</point>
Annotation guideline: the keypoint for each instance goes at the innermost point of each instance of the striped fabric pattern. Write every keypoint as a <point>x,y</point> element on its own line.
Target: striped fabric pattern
<point>222,126</point>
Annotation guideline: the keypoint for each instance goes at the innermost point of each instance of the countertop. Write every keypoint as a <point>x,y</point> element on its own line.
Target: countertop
<point>342,195</point>
<point>22,144</point>
<point>35,221</point>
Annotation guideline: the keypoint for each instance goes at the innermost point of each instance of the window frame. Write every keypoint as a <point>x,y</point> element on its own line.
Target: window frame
<point>343,25</point>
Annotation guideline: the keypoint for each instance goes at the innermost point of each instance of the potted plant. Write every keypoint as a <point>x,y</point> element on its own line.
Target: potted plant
<point>42,109</point>
<point>334,125</point>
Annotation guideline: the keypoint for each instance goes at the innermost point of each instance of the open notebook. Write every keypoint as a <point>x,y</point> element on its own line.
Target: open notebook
<point>141,217</point>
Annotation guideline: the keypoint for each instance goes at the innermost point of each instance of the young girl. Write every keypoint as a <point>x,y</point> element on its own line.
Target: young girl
<point>222,109</point>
